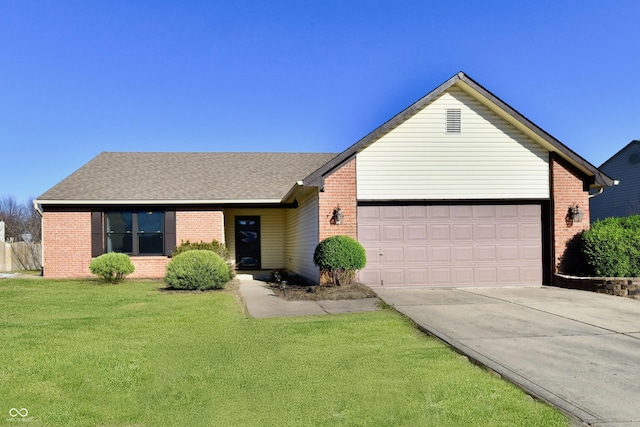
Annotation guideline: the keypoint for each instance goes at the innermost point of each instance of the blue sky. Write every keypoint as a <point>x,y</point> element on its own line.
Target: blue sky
<point>81,77</point>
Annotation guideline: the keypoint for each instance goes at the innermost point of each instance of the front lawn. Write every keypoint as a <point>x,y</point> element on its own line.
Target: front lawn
<point>78,353</point>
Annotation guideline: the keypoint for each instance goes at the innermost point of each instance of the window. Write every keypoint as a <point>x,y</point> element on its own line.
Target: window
<point>453,120</point>
<point>135,233</point>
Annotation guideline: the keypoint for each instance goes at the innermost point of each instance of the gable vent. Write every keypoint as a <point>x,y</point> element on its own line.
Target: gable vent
<point>453,120</point>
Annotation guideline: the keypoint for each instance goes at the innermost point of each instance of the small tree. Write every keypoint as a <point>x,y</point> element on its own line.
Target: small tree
<point>112,267</point>
<point>340,257</point>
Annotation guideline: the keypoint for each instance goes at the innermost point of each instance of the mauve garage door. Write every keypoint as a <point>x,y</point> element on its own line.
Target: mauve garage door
<point>453,245</point>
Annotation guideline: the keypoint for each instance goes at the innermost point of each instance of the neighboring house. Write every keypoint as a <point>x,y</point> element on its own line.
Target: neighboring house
<point>624,198</point>
<point>458,189</point>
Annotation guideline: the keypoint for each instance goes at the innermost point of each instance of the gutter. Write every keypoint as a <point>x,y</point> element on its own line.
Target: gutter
<point>601,189</point>
<point>37,207</point>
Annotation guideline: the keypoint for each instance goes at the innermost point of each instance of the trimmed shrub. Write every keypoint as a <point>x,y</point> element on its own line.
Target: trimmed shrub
<point>197,269</point>
<point>340,257</point>
<point>112,267</point>
<point>214,246</point>
<point>611,247</point>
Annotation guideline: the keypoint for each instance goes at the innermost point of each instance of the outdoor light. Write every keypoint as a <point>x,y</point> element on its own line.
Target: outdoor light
<point>337,216</point>
<point>574,214</point>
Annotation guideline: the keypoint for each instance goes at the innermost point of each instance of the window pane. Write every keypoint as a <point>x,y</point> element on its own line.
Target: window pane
<point>150,232</point>
<point>119,231</point>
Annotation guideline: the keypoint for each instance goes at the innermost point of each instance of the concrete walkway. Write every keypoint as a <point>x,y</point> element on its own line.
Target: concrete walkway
<point>577,350</point>
<point>261,303</point>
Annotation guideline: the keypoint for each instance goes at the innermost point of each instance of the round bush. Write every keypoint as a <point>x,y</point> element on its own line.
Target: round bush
<point>611,247</point>
<point>214,246</point>
<point>112,267</point>
<point>340,256</point>
<point>197,269</point>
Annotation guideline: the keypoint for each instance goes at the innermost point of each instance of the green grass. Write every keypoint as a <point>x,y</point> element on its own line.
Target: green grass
<point>84,354</point>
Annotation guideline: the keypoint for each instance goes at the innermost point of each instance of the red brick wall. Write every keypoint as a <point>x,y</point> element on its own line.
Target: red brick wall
<point>339,189</point>
<point>568,190</point>
<point>149,267</point>
<point>197,226</point>
<point>66,244</point>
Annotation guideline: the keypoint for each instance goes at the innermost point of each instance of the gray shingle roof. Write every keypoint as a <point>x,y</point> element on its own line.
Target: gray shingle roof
<point>149,177</point>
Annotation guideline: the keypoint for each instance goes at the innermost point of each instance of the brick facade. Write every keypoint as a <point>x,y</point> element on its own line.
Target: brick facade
<point>66,238</point>
<point>339,190</point>
<point>567,190</point>
<point>67,242</point>
<point>200,225</point>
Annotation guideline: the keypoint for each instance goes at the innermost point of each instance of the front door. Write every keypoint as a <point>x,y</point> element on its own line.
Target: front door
<point>248,242</point>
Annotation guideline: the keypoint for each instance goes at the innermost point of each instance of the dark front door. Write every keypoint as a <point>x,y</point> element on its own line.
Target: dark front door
<point>247,242</point>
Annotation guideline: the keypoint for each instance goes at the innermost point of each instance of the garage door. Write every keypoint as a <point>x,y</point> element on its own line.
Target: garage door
<point>453,245</point>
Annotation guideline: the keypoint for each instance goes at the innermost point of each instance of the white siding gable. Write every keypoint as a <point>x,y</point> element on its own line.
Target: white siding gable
<point>488,159</point>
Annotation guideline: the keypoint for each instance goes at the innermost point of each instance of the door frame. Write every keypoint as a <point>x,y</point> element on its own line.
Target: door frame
<point>239,243</point>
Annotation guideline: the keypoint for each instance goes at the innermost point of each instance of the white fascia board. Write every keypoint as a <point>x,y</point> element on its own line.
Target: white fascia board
<point>155,202</point>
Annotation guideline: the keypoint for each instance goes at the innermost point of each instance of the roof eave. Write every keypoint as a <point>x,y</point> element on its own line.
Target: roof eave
<point>155,202</point>
<point>532,130</point>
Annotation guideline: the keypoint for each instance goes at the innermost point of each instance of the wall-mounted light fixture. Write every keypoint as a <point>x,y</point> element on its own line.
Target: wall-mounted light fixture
<point>336,217</point>
<point>574,214</point>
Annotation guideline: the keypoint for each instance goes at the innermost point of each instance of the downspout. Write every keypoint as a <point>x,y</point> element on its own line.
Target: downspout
<point>39,210</point>
<point>601,190</point>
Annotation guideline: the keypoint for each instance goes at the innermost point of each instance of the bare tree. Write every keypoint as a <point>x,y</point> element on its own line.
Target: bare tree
<point>12,213</point>
<point>22,228</point>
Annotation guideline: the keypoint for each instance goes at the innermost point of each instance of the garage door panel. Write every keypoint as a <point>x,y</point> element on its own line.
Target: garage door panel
<point>462,254</point>
<point>462,211</point>
<point>529,211</point>
<point>508,231</point>
<point>416,255</point>
<point>393,276</point>
<point>462,232</point>
<point>370,275</point>
<point>485,211</point>
<point>440,276</point>
<point>485,232</point>
<point>440,254</point>
<point>508,253</point>
<point>417,232</point>
<point>416,276</point>
<point>530,252</point>
<point>486,253</point>
<point>507,212</point>
<point>392,233</point>
<point>438,212</point>
<point>391,212</point>
<point>373,255</point>
<point>509,274</point>
<point>463,276</point>
<point>486,275</point>
<point>532,274</point>
<point>417,212</point>
<point>530,231</point>
<point>392,255</point>
<point>451,245</point>
<point>439,232</point>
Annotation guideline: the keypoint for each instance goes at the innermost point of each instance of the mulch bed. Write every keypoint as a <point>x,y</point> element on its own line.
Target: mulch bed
<point>300,291</point>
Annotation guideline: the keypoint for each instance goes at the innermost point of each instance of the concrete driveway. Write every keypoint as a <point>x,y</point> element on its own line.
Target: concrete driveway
<point>577,350</point>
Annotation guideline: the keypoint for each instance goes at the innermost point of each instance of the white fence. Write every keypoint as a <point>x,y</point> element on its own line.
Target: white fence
<point>16,256</point>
